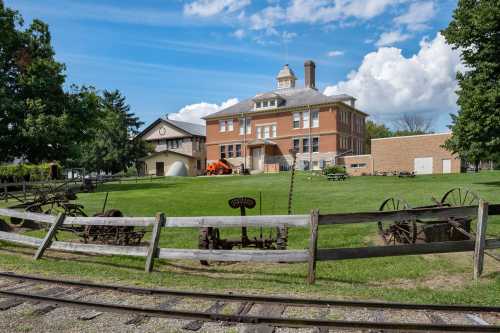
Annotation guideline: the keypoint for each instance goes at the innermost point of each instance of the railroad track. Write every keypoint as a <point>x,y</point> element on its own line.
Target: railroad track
<point>257,313</point>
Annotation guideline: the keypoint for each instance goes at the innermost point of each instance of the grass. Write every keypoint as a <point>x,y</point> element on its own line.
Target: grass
<point>445,278</point>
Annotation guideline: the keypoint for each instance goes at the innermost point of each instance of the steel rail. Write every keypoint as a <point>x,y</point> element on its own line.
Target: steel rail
<point>274,321</point>
<point>290,301</point>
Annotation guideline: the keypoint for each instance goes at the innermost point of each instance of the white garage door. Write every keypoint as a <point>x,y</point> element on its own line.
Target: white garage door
<point>446,166</point>
<point>423,165</point>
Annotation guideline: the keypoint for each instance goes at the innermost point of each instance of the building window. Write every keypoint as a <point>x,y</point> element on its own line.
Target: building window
<point>222,125</point>
<point>245,123</point>
<point>222,151</point>
<point>305,145</point>
<point>272,102</point>
<point>296,145</point>
<point>264,104</point>
<point>296,120</point>
<point>305,119</point>
<point>198,164</point>
<point>258,105</point>
<point>259,132</point>
<point>273,128</point>
<point>230,151</point>
<point>238,150</point>
<point>358,165</point>
<point>315,145</point>
<point>230,125</point>
<point>315,119</point>
<point>266,132</point>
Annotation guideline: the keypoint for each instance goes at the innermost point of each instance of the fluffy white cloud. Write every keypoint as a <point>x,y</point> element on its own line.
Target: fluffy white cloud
<point>389,83</point>
<point>335,53</point>
<point>419,13</point>
<point>391,37</point>
<point>267,18</point>
<point>206,8</point>
<point>194,112</point>
<point>325,11</point>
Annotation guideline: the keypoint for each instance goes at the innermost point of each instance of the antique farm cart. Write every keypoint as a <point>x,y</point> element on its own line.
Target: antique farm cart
<point>414,230</point>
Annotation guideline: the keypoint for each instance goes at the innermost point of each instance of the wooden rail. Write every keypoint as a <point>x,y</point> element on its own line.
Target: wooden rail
<point>310,256</point>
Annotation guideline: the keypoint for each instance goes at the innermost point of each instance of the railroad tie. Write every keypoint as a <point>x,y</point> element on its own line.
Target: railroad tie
<point>377,316</point>
<point>139,319</point>
<point>48,308</point>
<point>268,310</point>
<point>195,325</point>
<point>242,310</point>
<point>435,318</point>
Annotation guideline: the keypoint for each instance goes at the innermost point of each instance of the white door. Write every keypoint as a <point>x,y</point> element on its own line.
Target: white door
<point>423,165</point>
<point>446,166</point>
<point>257,158</point>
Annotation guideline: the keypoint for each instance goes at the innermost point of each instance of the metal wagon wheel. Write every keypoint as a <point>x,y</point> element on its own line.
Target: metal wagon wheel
<point>399,231</point>
<point>460,197</point>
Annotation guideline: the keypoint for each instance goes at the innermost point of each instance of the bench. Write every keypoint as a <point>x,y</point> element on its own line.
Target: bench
<point>336,176</point>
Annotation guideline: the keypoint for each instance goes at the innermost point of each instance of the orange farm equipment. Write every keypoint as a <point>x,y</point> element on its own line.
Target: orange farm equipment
<point>221,167</point>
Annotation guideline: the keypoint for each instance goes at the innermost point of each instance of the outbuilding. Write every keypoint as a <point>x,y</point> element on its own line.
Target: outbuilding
<point>421,154</point>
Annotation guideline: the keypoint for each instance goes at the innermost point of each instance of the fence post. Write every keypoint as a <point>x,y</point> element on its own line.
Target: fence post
<point>153,243</point>
<point>48,237</point>
<point>313,247</point>
<point>482,221</point>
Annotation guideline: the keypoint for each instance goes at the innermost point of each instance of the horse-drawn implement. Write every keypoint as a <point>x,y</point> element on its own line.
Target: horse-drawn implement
<point>412,231</point>
<point>58,201</point>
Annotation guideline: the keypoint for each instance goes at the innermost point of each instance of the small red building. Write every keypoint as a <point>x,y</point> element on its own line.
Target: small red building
<point>260,131</point>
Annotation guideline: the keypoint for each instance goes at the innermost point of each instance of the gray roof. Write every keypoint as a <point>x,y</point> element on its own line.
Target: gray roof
<point>293,97</point>
<point>286,72</point>
<point>191,128</point>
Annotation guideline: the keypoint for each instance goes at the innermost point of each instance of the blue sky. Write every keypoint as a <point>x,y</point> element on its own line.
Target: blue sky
<point>171,55</point>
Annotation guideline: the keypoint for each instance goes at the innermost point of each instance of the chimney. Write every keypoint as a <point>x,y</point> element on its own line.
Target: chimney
<point>310,74</point>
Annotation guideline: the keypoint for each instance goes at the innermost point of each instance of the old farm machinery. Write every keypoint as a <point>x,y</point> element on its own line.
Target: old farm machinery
<point>412,231</point>
<point>209,237</point>
<point>58,201</point>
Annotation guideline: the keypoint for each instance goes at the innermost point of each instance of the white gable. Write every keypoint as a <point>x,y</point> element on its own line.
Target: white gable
<point>163,131</point>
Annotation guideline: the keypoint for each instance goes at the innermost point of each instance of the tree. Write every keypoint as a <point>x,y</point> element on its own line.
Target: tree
<point>475,31</point>
<point>412,124</point>
<point>115,145</point>
<point>39,121</point>
<point>374,131</point>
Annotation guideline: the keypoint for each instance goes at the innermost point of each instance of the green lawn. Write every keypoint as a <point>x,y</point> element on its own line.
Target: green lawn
<point>430,278</point>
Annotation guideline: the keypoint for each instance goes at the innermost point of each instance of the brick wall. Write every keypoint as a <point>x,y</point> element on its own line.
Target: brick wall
<point>357,165</point>
<point>399,153</point>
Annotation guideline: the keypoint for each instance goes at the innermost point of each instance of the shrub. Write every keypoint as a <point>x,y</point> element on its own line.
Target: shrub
<point>334,169</point>
<point>27,172</point>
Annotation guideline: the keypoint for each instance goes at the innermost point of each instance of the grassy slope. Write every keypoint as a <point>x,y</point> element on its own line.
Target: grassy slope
<point>431,278</point>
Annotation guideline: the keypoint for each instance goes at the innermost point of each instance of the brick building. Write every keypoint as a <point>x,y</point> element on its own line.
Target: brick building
<point>422,154</point>
<point>259,132</point>
<point>174,141</point>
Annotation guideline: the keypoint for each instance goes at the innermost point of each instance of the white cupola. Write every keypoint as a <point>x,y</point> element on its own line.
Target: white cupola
<point>286,78</point>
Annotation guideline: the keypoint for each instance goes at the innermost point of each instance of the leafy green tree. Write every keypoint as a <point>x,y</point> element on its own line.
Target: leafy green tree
<point>475,31</point>
<point>374,131</point>
<point>115,145</point>
<point>39,121</point>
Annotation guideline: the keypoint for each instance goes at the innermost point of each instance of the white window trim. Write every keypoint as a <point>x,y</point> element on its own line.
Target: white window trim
<point>306,121</point>
<point>229,128</point>
<point>312,119</point>
<point>222,126</point>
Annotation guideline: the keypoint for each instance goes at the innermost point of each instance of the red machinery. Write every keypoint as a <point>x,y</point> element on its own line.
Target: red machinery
<point>221,167</point>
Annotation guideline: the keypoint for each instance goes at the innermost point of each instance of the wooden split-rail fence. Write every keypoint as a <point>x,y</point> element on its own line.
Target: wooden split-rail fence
<point>478,244</point>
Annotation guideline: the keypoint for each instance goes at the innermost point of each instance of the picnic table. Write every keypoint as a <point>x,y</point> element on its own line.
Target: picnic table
<point>336,176</point>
